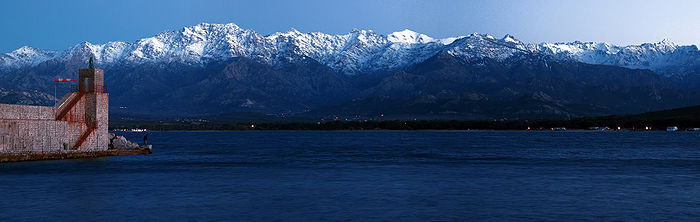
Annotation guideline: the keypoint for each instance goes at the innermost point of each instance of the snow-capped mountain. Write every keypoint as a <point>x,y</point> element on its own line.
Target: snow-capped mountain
<point>658,57</point>
<point>25,56</point>
<point>219,68</point>
<point>355,52</point>
<point>360,51</point>
<point>477,46</point>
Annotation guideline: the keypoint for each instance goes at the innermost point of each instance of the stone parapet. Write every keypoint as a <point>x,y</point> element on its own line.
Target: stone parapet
<point>11,111</point>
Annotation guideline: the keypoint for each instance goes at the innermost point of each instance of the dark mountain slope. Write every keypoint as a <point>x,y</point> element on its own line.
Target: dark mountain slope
<point>692,112</point>
<point>244,85</point>
<point>529,87</point>
<point>26,98</point>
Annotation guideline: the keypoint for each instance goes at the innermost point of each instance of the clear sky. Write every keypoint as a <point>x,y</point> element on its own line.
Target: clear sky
<point>60,24</point>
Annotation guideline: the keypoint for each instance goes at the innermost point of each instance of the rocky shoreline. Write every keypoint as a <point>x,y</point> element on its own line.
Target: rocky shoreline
<point>121,143</point>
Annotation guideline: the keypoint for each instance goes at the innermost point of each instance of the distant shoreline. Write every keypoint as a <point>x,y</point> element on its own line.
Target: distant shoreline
<point>582,124</point>
<point>425,130</point>
<point>682,118</point>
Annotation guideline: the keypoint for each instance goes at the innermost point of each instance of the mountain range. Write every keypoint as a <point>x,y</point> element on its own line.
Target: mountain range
<point>210,69</point>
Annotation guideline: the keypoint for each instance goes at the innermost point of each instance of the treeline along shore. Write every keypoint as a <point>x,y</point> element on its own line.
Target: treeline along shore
<point>687,118</point>
<point>600,123</point>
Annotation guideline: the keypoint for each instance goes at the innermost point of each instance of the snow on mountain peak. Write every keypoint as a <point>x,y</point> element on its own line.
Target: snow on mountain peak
<point>667,42</point>
<point>510,38</point>
<point>293,31</point>
<point>449,40</point>
<point>478,46</point>
<point>665,46</point>
<point>24,56</point>
<point>654,56</point>
<point>25,50</point>
<point>355,52</point>
<point>409,37</point>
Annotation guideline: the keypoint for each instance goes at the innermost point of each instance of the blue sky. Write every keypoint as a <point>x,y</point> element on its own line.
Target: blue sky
<point>60,24</point>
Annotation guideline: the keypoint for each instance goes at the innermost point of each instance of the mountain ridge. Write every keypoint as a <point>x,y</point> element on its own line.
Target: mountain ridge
<point>357,52</point>
<point>209,69</point>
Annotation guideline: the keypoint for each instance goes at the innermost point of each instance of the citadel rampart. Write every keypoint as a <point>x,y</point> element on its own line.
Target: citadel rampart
<point>76,127</point>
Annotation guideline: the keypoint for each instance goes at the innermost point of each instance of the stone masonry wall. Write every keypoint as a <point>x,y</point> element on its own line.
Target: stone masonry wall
<point>34,128</point>
<point>9,111</point>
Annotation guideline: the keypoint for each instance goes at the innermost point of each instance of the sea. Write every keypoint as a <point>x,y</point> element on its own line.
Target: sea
<point>369,176</point>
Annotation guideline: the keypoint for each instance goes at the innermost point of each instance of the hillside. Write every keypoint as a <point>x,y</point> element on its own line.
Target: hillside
<point>692,112</point>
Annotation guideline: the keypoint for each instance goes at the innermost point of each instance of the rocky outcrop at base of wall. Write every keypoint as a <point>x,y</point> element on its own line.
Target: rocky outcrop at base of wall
<point>120,143</point>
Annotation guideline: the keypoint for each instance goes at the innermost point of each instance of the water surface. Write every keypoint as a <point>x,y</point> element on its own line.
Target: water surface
<point>369,175</point>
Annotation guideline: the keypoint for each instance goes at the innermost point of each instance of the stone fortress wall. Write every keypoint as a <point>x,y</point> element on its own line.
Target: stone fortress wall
<point>79,122</point>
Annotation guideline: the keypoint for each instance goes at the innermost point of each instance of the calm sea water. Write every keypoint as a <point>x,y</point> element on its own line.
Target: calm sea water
<point>369,175</point>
